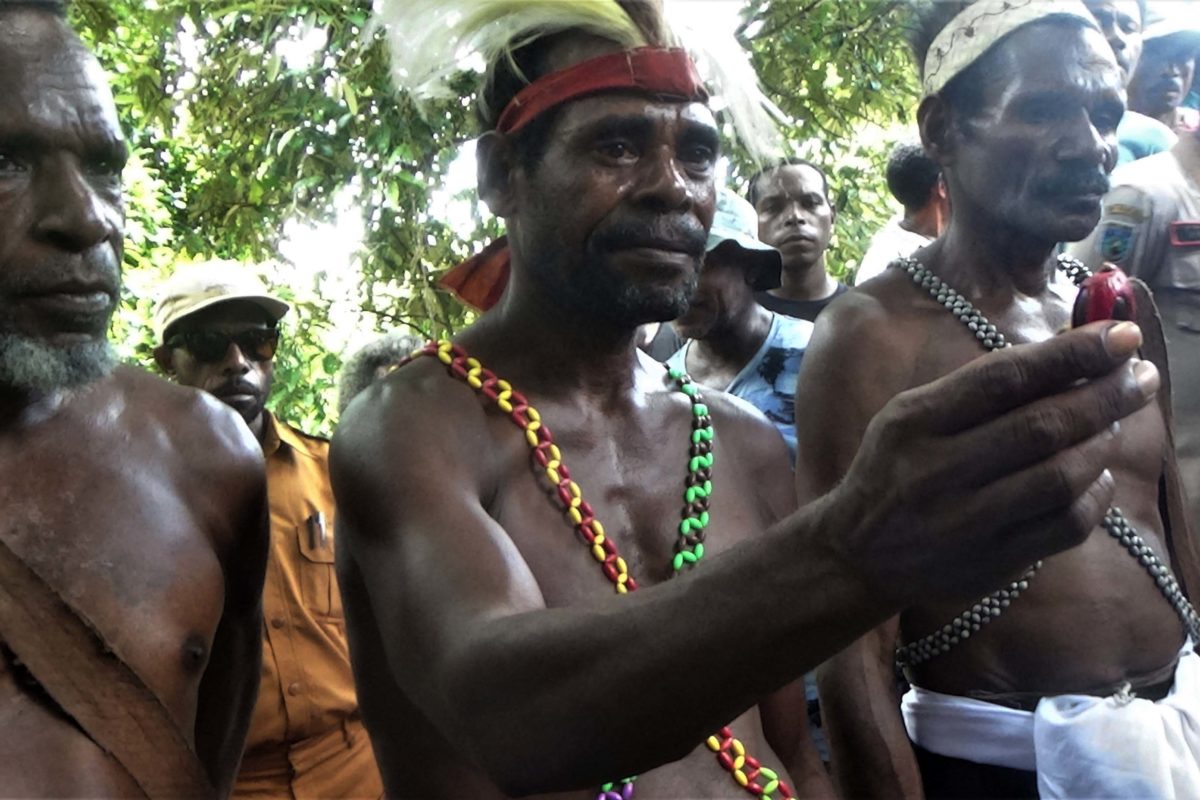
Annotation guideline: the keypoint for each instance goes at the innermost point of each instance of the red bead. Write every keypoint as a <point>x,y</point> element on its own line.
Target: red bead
<point>725,760</point>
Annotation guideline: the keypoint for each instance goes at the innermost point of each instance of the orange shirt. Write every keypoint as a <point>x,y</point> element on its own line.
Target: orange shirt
<point>306,736</point>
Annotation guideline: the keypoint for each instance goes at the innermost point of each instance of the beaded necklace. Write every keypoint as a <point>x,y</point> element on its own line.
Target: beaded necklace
<point>990,607</point>
<point>744,769</point>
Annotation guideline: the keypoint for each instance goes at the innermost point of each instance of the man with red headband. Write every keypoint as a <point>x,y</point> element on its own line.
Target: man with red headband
<point>564,567</point>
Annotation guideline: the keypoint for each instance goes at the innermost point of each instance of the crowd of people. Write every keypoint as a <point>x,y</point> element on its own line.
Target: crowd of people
<point>680,515</point>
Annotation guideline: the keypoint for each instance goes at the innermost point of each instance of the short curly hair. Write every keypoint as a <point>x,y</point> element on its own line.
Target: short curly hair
<point>56,7</point>
<point>911,174</point>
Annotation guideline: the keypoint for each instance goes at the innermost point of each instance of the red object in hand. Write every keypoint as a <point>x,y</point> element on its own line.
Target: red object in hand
<point>1107,294</point>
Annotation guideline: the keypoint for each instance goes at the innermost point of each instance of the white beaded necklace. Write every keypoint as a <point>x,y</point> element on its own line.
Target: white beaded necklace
<point>990,607</point>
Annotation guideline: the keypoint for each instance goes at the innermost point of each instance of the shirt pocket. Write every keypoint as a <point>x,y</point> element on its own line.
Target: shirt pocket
<point>317,576</point>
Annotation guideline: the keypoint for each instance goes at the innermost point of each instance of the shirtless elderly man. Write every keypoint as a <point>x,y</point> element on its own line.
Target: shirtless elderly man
<point>133,547</point>
<point>497,643</point>
<point>1022,103</point>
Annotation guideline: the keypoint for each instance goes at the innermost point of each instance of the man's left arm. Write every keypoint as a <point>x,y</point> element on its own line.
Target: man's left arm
<point>230,684</point>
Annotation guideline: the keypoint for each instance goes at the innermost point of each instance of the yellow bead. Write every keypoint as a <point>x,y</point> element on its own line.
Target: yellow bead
<point>552,474</point>
<point>531,437</point>
<point>533,414</point>
<point>598,552</point>
<point>599,537</point>
<point>714,744</point>
<point>445,357</point>
<point>598,527</point>
<point>621,565</point>
<point>740,777</point>
<point>622,589</point>
<point>739,762</point>
<point>505,406</point>
<point>474,382</point>
<point>574,515</point>
<point>555,453</point>
<point>739,749</point>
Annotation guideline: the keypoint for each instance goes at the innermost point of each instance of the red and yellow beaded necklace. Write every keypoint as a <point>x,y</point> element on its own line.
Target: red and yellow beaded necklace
<point>746,771</point>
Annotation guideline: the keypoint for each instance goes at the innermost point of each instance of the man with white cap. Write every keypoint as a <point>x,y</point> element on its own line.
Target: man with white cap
<point>1167,68</point>
<point>218,331</point>
<point>738,346</point>
<point>1062,680</point>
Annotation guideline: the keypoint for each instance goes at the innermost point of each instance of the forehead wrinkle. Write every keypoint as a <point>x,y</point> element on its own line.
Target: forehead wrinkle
<point>55,90</point>
<point>629,108</point>
<point>1086,67</point>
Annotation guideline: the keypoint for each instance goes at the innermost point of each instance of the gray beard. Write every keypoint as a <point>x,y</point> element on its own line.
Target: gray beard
<point>34,367</point>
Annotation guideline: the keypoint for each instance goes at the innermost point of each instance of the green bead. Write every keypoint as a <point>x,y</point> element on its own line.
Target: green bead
<point>689,389</point>
<point>676,374</point>
<point>700,410</point>
<point>702,435</point>
<point>704,519</point>
<point>708,488</point>
<point>688,557</point>
<point>677,563</point>
<point>699,550</point>
<point>689,496</point>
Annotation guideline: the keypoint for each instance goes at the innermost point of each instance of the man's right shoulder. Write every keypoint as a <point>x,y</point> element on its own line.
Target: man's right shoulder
<point>193,421</point>
<point>414,407</point>
<point>867,321</point>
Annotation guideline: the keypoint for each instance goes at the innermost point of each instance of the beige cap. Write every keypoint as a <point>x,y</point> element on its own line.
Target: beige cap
<point>194,287</point>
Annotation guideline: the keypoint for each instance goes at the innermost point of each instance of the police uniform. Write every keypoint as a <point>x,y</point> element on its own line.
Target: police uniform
<point>1151,228</point>
<point>306,737</point>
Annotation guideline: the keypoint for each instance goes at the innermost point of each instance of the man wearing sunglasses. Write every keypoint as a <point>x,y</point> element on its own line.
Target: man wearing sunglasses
<point>218,332</point>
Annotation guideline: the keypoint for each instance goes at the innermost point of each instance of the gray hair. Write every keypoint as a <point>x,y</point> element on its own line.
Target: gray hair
<point>362,368</point>
<point>33,366</point>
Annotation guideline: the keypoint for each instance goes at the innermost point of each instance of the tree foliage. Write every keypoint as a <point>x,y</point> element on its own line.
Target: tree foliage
<point>237,131</point>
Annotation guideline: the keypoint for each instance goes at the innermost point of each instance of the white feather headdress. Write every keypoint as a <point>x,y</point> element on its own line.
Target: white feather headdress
<point>431,41</point>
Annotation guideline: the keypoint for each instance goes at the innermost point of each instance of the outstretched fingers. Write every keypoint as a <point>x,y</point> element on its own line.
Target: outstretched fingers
<point>1007,380</point>
<point>1047,427</point>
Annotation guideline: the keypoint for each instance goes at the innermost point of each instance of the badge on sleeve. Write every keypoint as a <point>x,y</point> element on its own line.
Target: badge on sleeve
<point>1185,233</point>
<point>1116,241</point>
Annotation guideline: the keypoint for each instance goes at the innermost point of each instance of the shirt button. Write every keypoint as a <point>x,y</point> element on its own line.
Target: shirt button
<point>294,689</point>
<point>277,623</point>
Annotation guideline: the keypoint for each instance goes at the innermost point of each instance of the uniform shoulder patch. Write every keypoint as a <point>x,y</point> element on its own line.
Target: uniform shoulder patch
<point>1116,240</point>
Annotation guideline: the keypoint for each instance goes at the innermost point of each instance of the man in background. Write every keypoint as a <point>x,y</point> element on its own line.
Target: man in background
<point>1165,72</point>
<point>735,344</point>
<point>371,362</point>
<point>1121,22</point>
<point>916,182</point>
<point>1151,229</point>
<point>218,331</point>
<point>796,218</point>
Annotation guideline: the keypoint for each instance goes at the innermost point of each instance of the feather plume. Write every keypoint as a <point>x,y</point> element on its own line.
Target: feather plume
<point>726,69</point>
<point>433,40</point>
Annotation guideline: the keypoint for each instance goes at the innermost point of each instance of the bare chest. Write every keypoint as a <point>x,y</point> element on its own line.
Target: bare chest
<point>636,488</point>
<point>104,520</point>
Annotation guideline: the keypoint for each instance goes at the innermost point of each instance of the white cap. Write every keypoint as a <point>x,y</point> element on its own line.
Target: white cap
<point>194,287</point>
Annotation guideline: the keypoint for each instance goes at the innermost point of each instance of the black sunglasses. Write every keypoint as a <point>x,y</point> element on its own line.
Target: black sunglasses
<point>209,347</point>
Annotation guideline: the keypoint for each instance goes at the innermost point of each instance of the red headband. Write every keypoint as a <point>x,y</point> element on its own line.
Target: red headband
<point>659,71</point>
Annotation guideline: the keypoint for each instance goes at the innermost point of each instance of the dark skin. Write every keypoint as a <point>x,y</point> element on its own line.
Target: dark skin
<point>724,322</point>
<point>491,656</point>
<point>1059,111</point>
<point>238,380</point>
<point>796,218</point>
<point>930,219</point>
<point>1163,77</point>
<point>142,502</point>
<point>1121,23</point>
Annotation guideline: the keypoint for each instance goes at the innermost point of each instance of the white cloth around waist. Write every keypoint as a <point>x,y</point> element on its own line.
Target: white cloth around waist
<point>1080,745</point>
